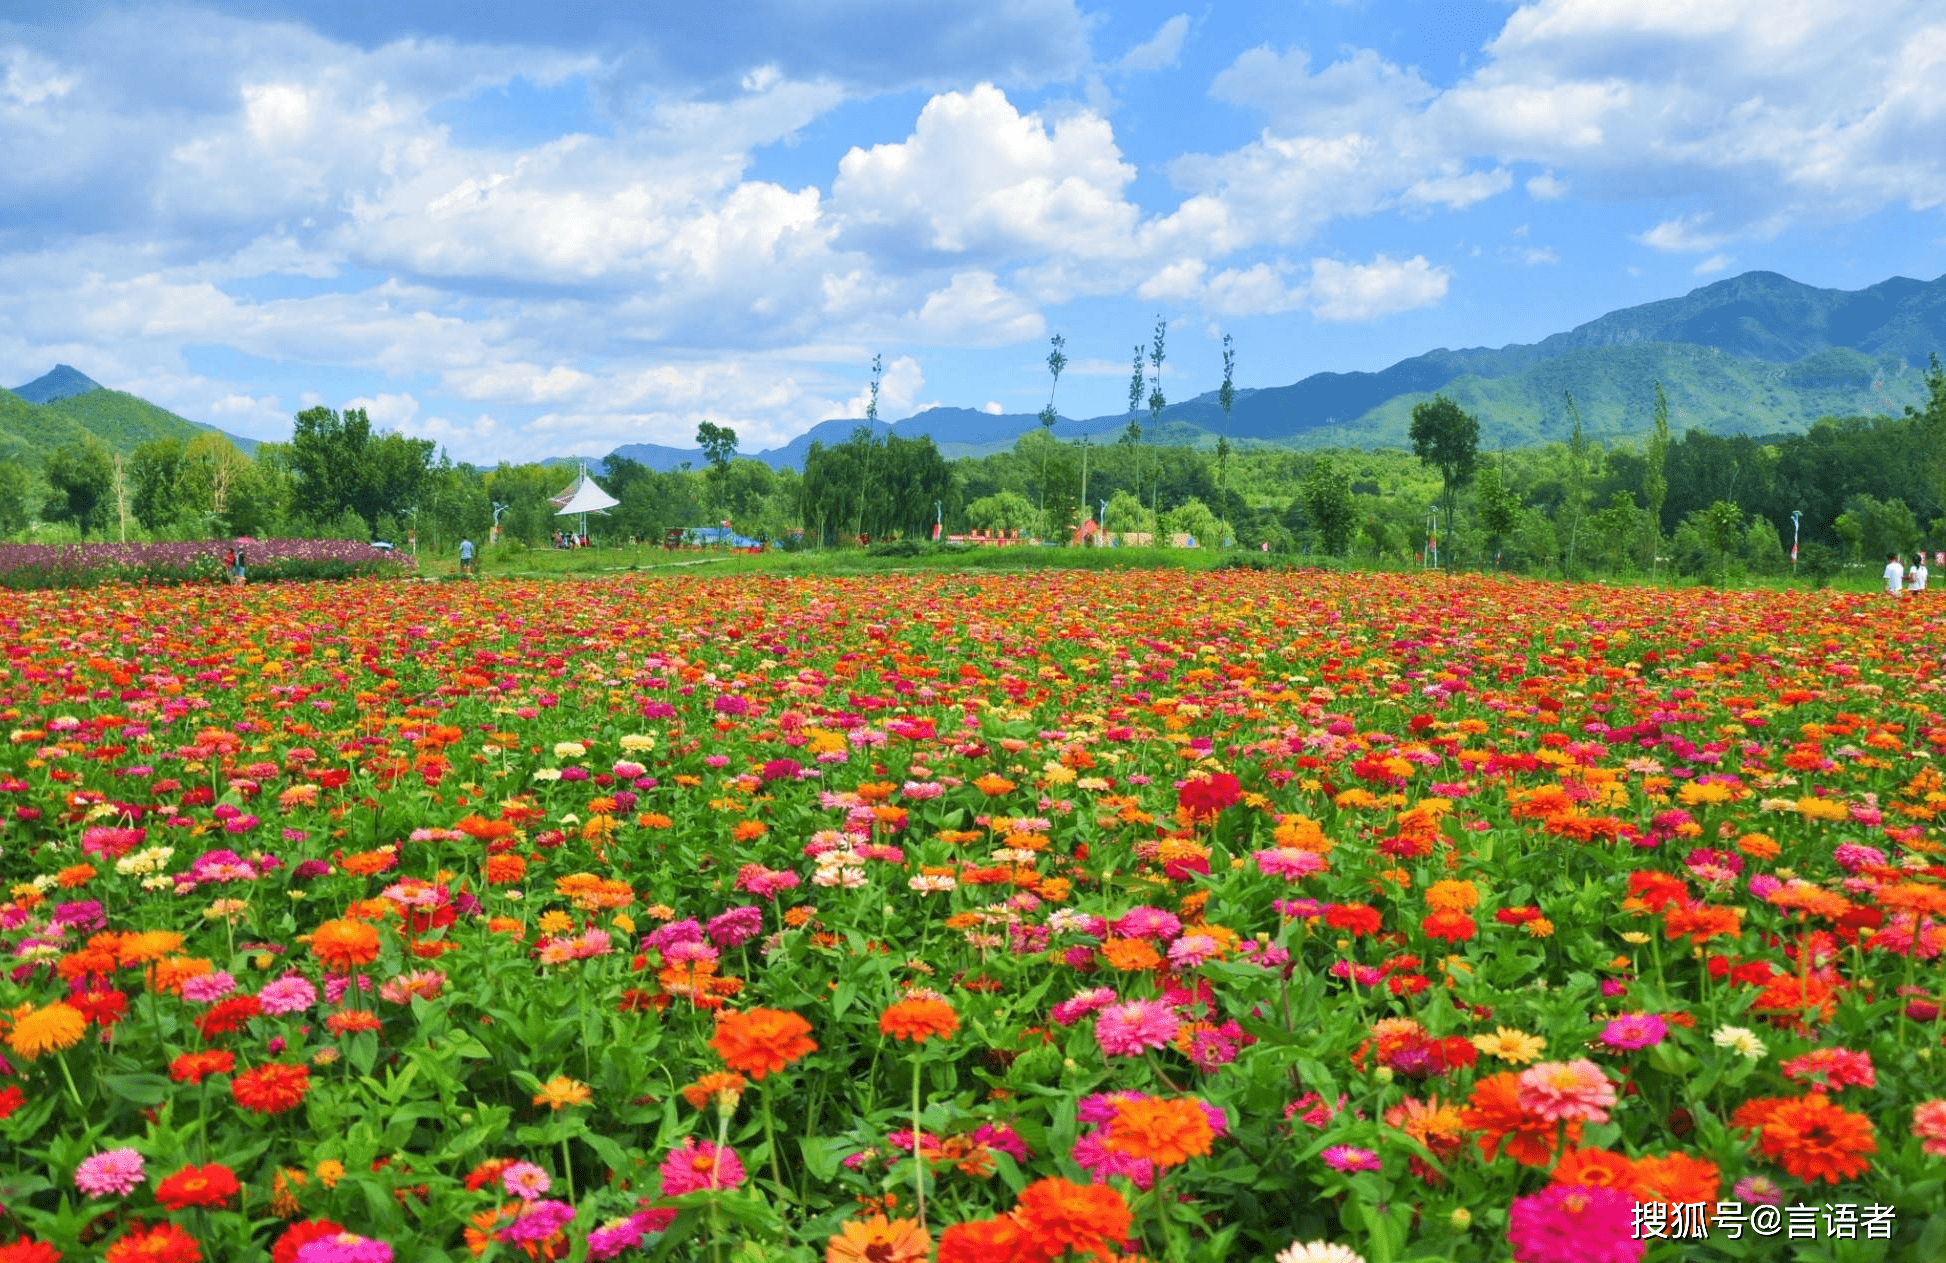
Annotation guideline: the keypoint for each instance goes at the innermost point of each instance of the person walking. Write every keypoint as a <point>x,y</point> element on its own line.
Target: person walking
<point>1915,575</point>
<point>466,556</point>
<point>1894,575</point>
<point>234,560</point>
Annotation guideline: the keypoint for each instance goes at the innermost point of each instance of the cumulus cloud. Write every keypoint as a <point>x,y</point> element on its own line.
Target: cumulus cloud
<point>992,408</point>
<point>1159,50</point>
<point>1350,292</point>
<point>975,311</point>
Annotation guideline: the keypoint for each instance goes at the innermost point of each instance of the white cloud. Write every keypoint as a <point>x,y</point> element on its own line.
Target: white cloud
<point>1684,233</point>
<point>1712,265</point>
<point>1459,190</point>
<point>992,408</point>
<point>898,388</point>
<point>1546,188</point>
<point>975,311</point>
<point>388,411</point>
<point>1540,254</point>
<point>1160,50</point>
<point>1349,292</point>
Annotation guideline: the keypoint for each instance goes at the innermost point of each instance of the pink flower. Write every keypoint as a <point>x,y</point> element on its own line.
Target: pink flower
<point>1289,862</point>
<point>116,1173</point>
<point>289,994</point>
<point>1350,1158</point>
<point>208,988</point>
<point>1929,1124</point>
<point>525,1181</point>
<point>695,1164</point>
<point>344,1247</point>
<point>537,1222</point>
<point>1072,1010</point>
<point>1832,1067</point>
<point>1575,1223</point>
<point>1634,1030</point>
<point>1572,1090</point>
<point>1128,1030</point>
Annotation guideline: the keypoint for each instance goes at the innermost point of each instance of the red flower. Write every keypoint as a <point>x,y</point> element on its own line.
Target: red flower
<point>299,1235</point>
<point>1203,797</point>
<point>163,1243</point>
<point>229,1014</point>
<point>29,1251</point>
<point>194,1067</point>
<point>210,1185</point>
<point>272,1088</point>
<point>11,1099</point>
<point>103,1008</point>
<point>1354,918</point>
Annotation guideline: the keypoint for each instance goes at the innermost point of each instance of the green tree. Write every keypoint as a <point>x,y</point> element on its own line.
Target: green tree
<point>1326,496</point>
<point>1574,500</point>
<point>338,464</point>
<point>1722,527</point>
<point>1056,361</point>
<point>1447,438</point>
<point>1132,436</point>
<point>1499,510</point>
<point>1226,397</point>
<point>1156,404</point>
<point>719,444</point>
<point>14,484</point>
<point>1655,481</point>
<point>79,480</point>
<point>1196,519</point>
<point>1127,515</point>
<point>1002,511</point>
<point>155,475</point>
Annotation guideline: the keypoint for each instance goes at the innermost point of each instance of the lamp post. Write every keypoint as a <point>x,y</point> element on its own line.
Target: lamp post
<point>1796,514</point>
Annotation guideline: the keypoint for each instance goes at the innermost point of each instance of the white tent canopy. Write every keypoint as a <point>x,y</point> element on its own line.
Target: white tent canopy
<point>584,495</point>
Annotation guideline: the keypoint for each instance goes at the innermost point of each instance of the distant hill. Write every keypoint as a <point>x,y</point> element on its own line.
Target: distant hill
<point>59,382</point>
<point>65,406</point>
<point>1754,354</point>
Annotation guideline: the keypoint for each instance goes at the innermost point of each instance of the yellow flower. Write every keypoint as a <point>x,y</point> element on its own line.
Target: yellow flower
<point>556,922</point>
<point>53,1028</point>
<point>1452,896</point>
<point>330,1171</point>
<point>560,1092</point>
<point>1511,1045</point>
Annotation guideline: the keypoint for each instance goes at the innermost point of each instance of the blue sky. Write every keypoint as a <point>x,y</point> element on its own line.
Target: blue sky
<point>547,230</point>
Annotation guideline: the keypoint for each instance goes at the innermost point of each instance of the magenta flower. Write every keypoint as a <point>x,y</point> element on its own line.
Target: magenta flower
<point>1350,1158</point>
<point>344,1247</point>
<point>1634,1030</point>
<point>695,1164</point>
<point>525,1181</point>
<point>1131,1029</point>
<point>1575,1223</point>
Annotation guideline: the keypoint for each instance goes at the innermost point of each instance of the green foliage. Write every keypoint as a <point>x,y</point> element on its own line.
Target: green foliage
<point>78,480</point>
<point>1003,510</point>
<point>1499,509</point>
<point>1326,497</point>
<point>339,464</point>
<point>1447,438</point>
<point>15,487</point>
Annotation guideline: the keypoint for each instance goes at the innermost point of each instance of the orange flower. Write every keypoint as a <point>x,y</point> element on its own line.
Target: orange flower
<point>352,1021</point>
<point>1130,955</point>
<point>1600,1168</point>
<point>504,870</point>
<point>272,1088</point>
<point>1168,1132</point>
<point>560,1092</point>
<point>993,786</point>
<point>715,1087</point>
<point>345,944</point>
<point>1815,1140</point>
<point>983,1241</point>
<point>759,1041</point>
<point>1677,1178</point>
<point>75,875</point>
<point>1494,1111</point>
<point>879,1240</point>
<point>919,1019</point>
<point>1085,1218</point>
<point>748,830</point>
<point>53,1028</point>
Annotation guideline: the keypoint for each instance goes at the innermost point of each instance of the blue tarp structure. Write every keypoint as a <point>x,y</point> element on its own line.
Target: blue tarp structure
<point>717,537</point>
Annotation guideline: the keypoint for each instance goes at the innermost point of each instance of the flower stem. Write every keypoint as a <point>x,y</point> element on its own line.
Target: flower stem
<point>770,1142</point>
<point>72,1090</point>
<point>918,1161</point>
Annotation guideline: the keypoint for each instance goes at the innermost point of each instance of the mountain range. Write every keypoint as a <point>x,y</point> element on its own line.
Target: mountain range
<point>1753,354</point>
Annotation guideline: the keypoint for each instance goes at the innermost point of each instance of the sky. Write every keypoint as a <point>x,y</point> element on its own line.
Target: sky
<point>545,230</point>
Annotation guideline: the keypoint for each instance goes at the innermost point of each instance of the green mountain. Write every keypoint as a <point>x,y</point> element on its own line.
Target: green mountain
<point>65,407</point>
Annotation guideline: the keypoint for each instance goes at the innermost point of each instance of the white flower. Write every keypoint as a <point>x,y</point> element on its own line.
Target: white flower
<point>637,741</point>
<point>1319,1252</point>
<point>931,883</point>
<point>569,749</point>
<point>547,774</point>
<point>1739,1039</point>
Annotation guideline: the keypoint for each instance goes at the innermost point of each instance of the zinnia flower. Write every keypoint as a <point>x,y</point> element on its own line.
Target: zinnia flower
<point>879,1240</point>
<point>1813,1139</point>
<point>272,1088</point>
<point>1575,1223</point>
<point>344,1247</point>
<point>1634,1030</point>
<point>116,1173</point>
<point>560,1092</point>
<point>1318,1252</point>
<point>210,1185</point>
<point>344,945</point>
<point>1350,1158</point>
<point>155,1243</point>
<point>760,1041</point>
<point>1164,1131</point>
<point>1929,1124</point>
<point>699,1164</point>
<point>919,1019</point>
<point>1059,1216</point>
<point>52,1028</point>
<point>1574,1090</point>
<point>1133,1028</point>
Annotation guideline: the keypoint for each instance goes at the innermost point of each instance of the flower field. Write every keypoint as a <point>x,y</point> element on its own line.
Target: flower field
<point>1190,917</point>
<point>29,567</point>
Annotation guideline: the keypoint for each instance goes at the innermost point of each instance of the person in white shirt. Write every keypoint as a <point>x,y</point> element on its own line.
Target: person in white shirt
<point>1894,574</point>
<point>1915,575</point>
